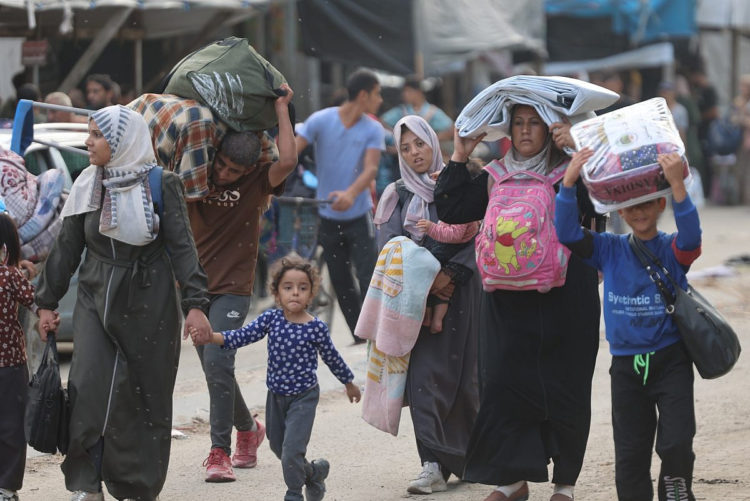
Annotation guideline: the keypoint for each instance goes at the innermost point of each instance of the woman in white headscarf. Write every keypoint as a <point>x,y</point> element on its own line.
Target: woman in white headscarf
<point>127,314</point>
<point>441,385</point>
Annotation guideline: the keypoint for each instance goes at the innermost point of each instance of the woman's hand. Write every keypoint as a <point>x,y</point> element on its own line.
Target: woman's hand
<point>27,268</point>
<point>352,391</point>
<point>561,135</point>
<point>577,162</point>
<point>49,320</point>
<point>464,146</point>
<point>196,322</point>
<point>442,286</point>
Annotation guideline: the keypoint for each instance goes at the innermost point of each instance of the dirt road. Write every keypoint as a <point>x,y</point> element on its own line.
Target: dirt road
<point>369,465</point>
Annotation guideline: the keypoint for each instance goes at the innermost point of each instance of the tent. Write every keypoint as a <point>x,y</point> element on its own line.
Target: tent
<point>136,20</point>
<point>725,43</point>
<point>425,37</point>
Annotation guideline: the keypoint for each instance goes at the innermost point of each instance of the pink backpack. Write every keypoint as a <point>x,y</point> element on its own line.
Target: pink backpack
<point>517,247</point>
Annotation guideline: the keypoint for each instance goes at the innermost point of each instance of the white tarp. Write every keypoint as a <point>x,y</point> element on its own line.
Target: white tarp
<point>723,14</point>
<point>166,18</point>
<point>660,54</point>
<point>454,31</point>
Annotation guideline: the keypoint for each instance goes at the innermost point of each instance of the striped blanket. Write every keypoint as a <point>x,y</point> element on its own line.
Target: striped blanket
<point>391,319</point>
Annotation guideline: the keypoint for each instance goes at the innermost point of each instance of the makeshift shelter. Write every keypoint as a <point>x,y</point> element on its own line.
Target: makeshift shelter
<point>427,37</point>
<point>593,35</point>
<point>725,43</point>
<point>136,20</point>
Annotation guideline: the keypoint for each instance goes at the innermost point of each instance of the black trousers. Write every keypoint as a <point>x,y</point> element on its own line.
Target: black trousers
<point>668,389</point>
<point>14,388</point>
<point>348,244</point>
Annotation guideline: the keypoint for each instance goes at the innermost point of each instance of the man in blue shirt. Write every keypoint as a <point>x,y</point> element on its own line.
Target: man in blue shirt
<point>415,103</point>
<point>347,144</point>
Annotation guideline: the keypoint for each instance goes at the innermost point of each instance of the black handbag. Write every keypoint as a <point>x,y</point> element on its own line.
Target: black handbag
<point>710,340</point>
<point>46,422</point>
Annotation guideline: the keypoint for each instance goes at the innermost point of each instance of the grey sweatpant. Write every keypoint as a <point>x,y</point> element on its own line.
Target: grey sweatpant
<point>228,408</point>
<point>289,422</point>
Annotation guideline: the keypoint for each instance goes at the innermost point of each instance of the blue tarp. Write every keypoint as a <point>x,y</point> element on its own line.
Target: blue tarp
<point>640,21</point>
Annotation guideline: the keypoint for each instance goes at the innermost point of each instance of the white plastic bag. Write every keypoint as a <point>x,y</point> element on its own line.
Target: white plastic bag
<point>623,170</point>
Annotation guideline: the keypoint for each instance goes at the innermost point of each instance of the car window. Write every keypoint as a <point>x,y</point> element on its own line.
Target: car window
<point>75,162</point>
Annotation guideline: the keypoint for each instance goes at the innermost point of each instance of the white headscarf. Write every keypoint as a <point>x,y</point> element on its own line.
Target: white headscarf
<point>127,208</point>
<point>420,184</point>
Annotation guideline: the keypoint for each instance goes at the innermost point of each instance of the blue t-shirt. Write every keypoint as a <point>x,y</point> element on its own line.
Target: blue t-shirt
<point>292,351</point>
<point>634,315</point>
<point>339,156</point>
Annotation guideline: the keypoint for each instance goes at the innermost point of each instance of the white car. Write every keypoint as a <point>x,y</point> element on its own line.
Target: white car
<point>39,158</point>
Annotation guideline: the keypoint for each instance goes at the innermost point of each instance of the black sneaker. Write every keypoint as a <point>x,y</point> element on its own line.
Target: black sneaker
<point>315,487</point>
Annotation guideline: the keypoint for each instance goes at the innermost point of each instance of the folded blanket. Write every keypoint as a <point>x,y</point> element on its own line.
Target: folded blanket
<point>552,97</point>
<point>391,319</point>
<point>18,187</point>
<point>394,306</point>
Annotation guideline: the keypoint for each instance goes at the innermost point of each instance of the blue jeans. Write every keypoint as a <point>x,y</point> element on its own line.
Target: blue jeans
<point>228,408</point>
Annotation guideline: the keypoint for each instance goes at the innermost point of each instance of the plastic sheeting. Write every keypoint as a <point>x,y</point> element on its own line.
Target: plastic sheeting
<point>640,21</point>
<point>156,18</point>
<point>398,35</point>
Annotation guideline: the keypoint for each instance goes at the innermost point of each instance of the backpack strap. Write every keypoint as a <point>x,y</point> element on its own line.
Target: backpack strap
<point>499,171</point>
<point>496,169</point>
<point>154,181</point>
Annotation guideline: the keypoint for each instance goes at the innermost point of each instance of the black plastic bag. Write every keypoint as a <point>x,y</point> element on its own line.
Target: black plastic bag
<point>710,340</point>
<point>46,423</point>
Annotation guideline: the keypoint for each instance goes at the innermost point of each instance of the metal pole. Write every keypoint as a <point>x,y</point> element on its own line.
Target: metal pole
<point>98,44</point>
<point>138,63</point>
<point>290,42</point>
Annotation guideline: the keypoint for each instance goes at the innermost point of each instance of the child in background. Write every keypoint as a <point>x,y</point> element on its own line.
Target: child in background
<point>651,370</point>
<point>448,234</point>
<point>295,337</point>
<point>14,375</point>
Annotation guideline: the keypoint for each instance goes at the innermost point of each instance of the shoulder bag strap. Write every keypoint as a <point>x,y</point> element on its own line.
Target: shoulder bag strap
<point>648,259</point>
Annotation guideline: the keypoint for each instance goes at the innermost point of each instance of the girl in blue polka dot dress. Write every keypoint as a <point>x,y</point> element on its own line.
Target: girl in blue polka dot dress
<point>295,338</point>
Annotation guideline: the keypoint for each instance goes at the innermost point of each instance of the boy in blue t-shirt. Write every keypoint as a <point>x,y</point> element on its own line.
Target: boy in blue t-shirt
<point>651,370</point>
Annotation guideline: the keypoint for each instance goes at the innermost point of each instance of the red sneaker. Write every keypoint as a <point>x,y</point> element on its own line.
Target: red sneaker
<point>218,466</point>
<point>246,454</point>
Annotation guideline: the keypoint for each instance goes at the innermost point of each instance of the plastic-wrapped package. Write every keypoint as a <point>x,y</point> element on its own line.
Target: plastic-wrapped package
<point>623,170</point>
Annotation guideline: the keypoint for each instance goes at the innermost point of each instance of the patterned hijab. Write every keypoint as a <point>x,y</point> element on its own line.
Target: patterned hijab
<point>420,184</point>
<point>127,208</point>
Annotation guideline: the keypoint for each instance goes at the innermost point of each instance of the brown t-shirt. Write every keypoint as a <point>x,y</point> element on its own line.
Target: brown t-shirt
<point>225,227</point>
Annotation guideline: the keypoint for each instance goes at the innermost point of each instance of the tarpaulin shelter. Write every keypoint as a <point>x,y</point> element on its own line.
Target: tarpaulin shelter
<point>592,35</point>
<point>105,20</point>
<point>426,37</point>
<point>725,42</point>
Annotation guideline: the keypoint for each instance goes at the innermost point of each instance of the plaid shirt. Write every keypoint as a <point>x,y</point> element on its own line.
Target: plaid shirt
<point>186,135</point>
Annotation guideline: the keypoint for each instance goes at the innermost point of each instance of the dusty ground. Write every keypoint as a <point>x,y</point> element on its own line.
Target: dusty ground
<point>369,465</point>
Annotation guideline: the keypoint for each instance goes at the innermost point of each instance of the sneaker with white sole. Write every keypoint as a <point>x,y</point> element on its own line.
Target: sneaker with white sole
<point>87,496</point>
<point>6,495</point>
<point>430,480</point>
